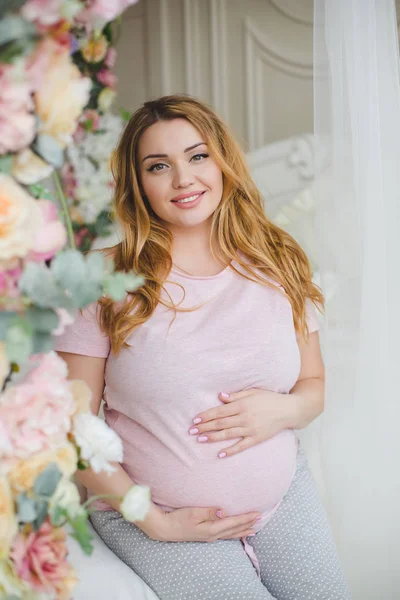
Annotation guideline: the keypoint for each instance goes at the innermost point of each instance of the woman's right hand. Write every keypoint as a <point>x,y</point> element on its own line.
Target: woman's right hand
<point>200,525</point>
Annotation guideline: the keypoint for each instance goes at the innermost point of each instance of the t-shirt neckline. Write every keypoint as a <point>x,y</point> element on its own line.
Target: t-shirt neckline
<point>187,276</point>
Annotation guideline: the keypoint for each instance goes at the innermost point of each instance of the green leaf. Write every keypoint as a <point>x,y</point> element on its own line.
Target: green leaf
<point>49,149</point>
<point>42,342</point>
<point>13,27</point>
<point>81,532</point>
<point>42,510</point>
<point>47,481</point>
<point>40,191</point>
<point>5,319</point>
<point>125,114</point>
<point>58,515</point>
<point>10,5</point>
<point>42,319</point>
<point>6,164</point>
<point>26,509</point>
<point>37,282</point>
<point>18,340</point>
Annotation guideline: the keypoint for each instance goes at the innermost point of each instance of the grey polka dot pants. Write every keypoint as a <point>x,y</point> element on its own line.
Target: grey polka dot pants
<point>295,550</point>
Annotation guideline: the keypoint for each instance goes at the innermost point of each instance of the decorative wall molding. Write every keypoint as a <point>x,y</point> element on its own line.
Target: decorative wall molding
<point>165,71</point>
<point>260,51</point>
<point>285,7</point>
<point>218,21</point>
<point>192,47</point>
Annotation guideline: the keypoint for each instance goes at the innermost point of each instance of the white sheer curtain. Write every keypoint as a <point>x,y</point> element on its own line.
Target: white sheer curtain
<point>357,127</point>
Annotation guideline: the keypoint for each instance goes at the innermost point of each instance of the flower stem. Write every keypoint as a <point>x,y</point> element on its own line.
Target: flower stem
<point>65,210</point>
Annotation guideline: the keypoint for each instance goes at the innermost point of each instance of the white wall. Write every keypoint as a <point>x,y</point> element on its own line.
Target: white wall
<point>251,60</point>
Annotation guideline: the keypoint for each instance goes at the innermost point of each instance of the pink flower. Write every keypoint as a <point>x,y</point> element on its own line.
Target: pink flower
<point>44,12</point>
<point>40,559</point>
<point>111,58</point>
<point>93,116</point>
<point>99,12</point>
<point>36,413</point>
<point>107,78</point>
<point>68,174</point>
<point>9,279</point>
<point>51,236</point>
<point>17,124</point>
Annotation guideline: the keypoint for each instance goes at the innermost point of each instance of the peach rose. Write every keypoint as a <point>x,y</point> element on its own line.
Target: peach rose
<point>62,95</point>
<point>8,523</point>
<point>20,217</point>
<point>40,559</point>
<point>23,473</point>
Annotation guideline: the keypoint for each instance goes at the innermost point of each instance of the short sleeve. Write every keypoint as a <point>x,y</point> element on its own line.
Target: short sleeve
<point>311,316</point>
<point>84,336</point>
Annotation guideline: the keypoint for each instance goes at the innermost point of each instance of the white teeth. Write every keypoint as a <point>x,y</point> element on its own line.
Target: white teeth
<point>190,199</point>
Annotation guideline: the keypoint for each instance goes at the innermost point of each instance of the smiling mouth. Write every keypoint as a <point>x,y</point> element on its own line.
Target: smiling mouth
<point>188,199</point>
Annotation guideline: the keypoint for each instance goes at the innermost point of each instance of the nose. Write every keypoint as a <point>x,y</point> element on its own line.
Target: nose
<point>183,177</point>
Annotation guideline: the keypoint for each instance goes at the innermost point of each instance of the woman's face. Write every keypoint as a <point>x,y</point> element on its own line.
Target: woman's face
<point>181,181</point>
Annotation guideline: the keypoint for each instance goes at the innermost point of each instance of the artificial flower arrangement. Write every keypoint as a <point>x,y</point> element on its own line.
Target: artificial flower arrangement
<point>47,431</point>
<point>87,180</point>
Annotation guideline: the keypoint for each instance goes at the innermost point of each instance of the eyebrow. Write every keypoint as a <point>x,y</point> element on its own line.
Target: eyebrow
<point>166,155</point>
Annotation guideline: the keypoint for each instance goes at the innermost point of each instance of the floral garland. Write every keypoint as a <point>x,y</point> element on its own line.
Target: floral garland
<point>87,178</point>
<point>46,428</point>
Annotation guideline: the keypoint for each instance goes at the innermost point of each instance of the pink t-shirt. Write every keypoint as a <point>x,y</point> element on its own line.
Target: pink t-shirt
<point>242,337</point>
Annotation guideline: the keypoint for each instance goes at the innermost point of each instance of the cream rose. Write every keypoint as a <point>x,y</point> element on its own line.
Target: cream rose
<point>8,524</point>
<point>24,472</point>
<point>20,218</point>
<point>62,96</point>
<point>82,395</point>
<point>29,168</point>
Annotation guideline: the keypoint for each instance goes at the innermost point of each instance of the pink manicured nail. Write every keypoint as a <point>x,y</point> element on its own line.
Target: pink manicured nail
<point>197,421</point>
<point>258,519</point>
<point>225,396</point>
<point>219,514</point>
<point>193,430</point>
<point>251,535</point>
<point>202,438</point>
<point>222,454</point>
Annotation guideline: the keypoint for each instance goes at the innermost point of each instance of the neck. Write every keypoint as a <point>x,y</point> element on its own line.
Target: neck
<point>192,247</point>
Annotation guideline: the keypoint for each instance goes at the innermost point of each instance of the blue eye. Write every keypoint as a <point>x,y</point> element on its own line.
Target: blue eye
<point>197,157</point>
<point>156,167</point>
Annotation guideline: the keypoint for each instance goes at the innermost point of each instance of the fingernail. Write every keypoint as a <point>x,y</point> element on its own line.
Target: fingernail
<point>193,430</point>
<point>251,535</point>
<point>224,396</point>
<point>197,421</point>
<point>258,519</point>
<point>202,438</point>
<point>222,454</point>
<point>219,514</point>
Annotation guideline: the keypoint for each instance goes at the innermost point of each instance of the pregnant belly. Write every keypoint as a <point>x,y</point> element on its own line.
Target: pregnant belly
<point>255,479</point>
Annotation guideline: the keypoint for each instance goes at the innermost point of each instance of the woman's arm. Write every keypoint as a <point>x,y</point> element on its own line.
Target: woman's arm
<point>306,398</point>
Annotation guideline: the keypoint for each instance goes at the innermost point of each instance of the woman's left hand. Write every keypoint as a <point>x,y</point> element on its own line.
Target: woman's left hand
<point>254,415</point>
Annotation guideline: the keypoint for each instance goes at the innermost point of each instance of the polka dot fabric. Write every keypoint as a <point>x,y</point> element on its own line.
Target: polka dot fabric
<point>295,551</point>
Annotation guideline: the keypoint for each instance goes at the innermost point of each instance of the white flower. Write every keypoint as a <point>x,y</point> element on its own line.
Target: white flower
<point>98,443</point>
<point>136,503</point>
<point>66,496</point>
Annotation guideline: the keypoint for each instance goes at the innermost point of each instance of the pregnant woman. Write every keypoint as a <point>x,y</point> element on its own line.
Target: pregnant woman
<point>206,371</point>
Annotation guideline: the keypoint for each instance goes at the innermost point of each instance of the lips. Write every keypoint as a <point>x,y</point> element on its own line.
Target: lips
<point>193,195</point>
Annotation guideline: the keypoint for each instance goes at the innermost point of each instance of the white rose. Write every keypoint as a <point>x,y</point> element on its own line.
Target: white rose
<point>4,364</point>
<point>98,443</point>
<point>136,503</point>
<point>20,218</point>
<point>66,496</point>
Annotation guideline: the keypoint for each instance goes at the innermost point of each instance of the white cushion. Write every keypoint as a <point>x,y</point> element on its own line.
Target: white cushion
<point>103,575</point>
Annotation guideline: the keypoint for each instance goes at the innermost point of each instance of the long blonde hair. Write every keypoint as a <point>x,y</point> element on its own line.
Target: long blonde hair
<point>239,224</point>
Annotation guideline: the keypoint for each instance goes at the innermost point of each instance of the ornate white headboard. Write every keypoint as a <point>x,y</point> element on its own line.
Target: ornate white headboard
<point>282,170</point>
